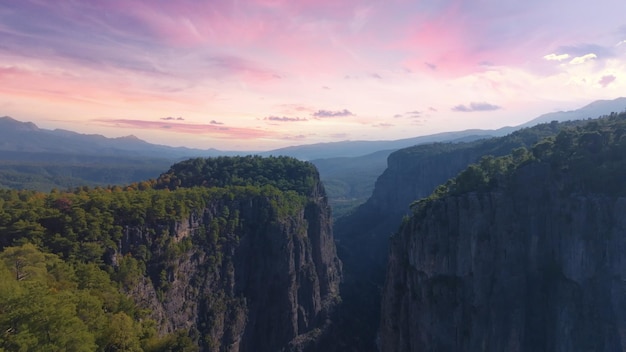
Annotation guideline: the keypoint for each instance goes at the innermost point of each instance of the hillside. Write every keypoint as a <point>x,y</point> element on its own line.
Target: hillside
<point>522,252</point>
<point>209,256</point>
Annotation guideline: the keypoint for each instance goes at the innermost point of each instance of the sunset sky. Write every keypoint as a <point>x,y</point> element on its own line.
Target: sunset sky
<point>263,74</point>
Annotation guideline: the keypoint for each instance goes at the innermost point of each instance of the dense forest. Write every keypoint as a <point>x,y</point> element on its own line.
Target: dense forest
<point>64,278</point>
<point>588,158</point>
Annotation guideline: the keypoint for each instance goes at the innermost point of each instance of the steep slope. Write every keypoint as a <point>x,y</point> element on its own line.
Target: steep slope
<point>518,253</point>
<point>411,174</point>
<point>350,181</point>
<point>236,254</point>
<point>264,282</point>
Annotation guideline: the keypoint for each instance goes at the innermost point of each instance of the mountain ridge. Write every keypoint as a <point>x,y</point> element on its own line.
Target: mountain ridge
<point>313,151</point>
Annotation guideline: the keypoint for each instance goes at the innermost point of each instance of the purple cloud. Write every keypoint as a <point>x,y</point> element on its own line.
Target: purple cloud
<point>329,113</point>
<point>606,80</point>
<point>238,65</point>
<point>170,118</point>
<point>284,119</point>
<point>431,66</point>
<point>414,114</point>
<point>409,114</point>
<point>476,107</point>
<point>213,122</point>
<point>298,137</point>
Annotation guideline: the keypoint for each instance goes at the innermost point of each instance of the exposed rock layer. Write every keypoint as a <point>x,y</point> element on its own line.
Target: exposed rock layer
<point>525,267</point>
<point>268,287</point>
<point>363,236</point>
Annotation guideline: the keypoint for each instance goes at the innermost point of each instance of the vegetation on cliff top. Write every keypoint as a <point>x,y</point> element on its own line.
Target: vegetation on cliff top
<point>61,275</point>
<point>589,158</point>
<point>284,173</point>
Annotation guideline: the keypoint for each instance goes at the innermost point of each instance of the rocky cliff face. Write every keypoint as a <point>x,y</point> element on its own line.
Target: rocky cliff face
<point>523,267</point>
<point>363,236</point>
<point>243,274</point>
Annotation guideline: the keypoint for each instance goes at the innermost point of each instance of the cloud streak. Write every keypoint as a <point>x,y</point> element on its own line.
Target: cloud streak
<point>190,128</point>
<point>556,57</point>
<point>285,119</point>
<point>330,113</point>
<point>582,59</point>
<point>476,107</point>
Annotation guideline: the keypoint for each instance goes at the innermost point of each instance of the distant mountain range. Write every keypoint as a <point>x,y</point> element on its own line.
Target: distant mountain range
<point>32,157</point>
<point>26,137</point>
<point>359,148</point>
<point>16,136</point>
<point>589,111</point>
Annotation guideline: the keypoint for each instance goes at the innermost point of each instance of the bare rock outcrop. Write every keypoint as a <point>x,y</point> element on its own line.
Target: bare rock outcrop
<point>526,267</point>
<point>246,273</point>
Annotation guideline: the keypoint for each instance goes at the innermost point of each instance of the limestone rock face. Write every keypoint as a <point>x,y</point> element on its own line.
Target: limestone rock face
<point>363,236</point>
<point>268,283</point>
<point>526,267</point>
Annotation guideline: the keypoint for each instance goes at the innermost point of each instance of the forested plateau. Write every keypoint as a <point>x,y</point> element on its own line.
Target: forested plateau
<point>222,254</point>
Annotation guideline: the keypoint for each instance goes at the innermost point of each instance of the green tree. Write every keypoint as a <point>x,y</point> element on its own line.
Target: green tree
<point>122,334</point>
<point>25,262</point>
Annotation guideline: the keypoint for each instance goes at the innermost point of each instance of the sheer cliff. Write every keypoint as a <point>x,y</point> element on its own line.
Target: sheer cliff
<point>411,174</point>
<point>260,271</point>
<point>246,276</point>
<point>518,253</point>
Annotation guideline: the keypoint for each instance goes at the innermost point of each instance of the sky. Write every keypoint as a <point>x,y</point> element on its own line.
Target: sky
<point>264,74</point>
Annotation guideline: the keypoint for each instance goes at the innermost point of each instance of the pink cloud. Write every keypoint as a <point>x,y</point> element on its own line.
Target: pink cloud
<point>88,87</point>
<point>456,38</point>
<point>294,109</point>
<point>305,37</point>
<point>291,32</point>
<point>247,70</point>
<point>606,80</point>
<point>442,43</point>
<point>17,81</point>
<point>193,23</point>
<point>212,129</point>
